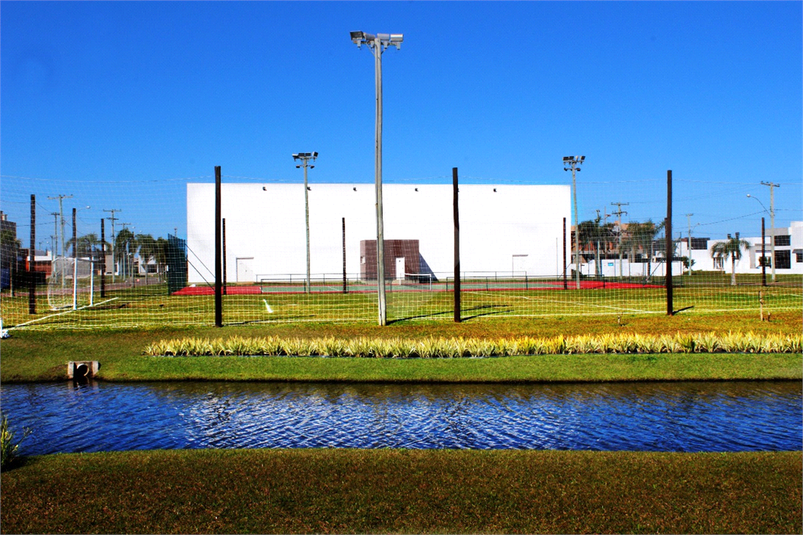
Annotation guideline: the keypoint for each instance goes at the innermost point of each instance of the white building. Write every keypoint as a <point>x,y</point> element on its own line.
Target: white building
<point>503,228</point>
<point>788,252</point>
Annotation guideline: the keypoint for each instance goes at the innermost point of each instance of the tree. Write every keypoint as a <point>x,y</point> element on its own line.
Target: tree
<point>9,245</point>
<point>147,248</point>
<point>639,237</point>
<point>124,245</point>
<point>731,247</point>
<point>9,252</point>
<point>89,245</point>
<point>598,237</point>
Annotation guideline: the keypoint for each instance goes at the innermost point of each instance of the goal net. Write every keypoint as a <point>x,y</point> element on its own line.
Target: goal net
<point>71,283</point>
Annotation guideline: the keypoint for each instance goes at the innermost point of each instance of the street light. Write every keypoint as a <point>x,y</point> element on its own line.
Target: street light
<point>304,158</point>
<point>772,235</point>
<point>378,44</point>
<point>572,162</point>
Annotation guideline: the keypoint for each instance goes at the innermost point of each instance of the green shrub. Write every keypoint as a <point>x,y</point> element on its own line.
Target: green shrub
<point>477,347</point>
<point>8,447</point>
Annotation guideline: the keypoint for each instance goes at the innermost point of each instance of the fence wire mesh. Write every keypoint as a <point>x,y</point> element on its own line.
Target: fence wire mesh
<point>122,263</point>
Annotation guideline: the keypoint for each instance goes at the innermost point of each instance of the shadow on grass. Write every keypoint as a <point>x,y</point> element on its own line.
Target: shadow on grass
<point>504,310</point>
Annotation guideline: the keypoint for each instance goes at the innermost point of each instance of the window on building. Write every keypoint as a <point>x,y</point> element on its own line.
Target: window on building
<point>783,259</point>
<point>764,261</point>
<point>799,257</point>
<point>718,263</point>
<point>781,241</point>
<point>699,244</point>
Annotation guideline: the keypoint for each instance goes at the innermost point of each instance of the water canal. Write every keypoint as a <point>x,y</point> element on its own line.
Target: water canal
<point>672,416</point>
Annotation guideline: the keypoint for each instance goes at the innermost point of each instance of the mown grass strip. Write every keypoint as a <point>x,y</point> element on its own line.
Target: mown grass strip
<point>543,368</point>
<point>42,356</point>
<point>439,347</point>
<point>404,491</point>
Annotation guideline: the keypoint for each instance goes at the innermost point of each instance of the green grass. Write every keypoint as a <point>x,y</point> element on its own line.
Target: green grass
<point>404,491</point>
<point>150,307</point>
<point>42,356</point>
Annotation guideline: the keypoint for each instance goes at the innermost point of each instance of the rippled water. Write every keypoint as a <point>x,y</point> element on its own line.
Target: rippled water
<point>689,416</point>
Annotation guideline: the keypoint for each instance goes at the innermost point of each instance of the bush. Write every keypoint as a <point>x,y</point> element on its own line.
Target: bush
<point>8,448</point>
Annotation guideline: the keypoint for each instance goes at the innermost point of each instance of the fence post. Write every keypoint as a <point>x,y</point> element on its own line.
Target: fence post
<point>565,280</point>
<point>218,251</point>
<point>345,288</point>
<point>763,260</point>
<point>669,249</point>
<point>225,276</point>
<point>32,261</point>
<point>455,211</point>
<point>102,258</point>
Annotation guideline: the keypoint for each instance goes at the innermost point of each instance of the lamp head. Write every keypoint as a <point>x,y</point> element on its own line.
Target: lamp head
<point>360,38</point>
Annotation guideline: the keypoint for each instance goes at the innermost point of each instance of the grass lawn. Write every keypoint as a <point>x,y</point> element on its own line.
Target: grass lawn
<point>42,355</point>
<point>404,491</point>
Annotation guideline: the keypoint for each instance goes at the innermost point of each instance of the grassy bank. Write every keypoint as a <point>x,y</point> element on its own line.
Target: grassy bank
<point>403,491</point>
<point>42,356</point>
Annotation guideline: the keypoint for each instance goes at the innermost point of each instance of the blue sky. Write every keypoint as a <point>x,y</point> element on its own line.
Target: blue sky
<point>135,97</point>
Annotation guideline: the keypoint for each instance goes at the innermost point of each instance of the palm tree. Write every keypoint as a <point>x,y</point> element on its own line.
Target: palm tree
<point>147,248</point>
<point>733,247</point>
<point>124,246</point>
<point>88,245</point>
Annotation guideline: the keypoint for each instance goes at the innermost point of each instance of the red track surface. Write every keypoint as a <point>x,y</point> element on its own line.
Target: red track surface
<point>584,285</point>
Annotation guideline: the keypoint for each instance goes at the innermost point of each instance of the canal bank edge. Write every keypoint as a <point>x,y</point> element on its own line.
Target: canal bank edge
<point>540,368</point>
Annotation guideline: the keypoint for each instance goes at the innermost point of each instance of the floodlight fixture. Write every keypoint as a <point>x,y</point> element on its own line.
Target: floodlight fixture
<point>379,41</point>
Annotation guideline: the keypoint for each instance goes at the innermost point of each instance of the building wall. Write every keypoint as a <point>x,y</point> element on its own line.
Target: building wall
<point>265,227</point>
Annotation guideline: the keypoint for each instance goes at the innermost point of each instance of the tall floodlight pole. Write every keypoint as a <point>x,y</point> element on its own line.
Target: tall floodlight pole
<point>377,44</point>
<point>572,162</point>
<point>772,187</point>
<point>304,158</point>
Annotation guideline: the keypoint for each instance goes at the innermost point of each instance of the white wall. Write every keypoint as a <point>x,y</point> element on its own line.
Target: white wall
<point>266,222</point>
<point>749,263</point>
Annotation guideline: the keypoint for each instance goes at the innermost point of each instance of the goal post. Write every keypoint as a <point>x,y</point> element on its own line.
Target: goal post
<point>71,283</point>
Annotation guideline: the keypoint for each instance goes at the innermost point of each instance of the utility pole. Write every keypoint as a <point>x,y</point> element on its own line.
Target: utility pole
<point>55,236</point>
<point>113,219</point>
<point>61,217</point>
<point>688,238</point>
<point>618,213</point>
<point>772,187</point>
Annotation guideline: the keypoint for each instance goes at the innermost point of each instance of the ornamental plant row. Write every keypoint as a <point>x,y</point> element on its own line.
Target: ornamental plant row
<point>476,347</point>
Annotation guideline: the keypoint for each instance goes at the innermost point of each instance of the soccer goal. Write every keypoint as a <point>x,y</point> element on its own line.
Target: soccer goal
<point>71,283</point>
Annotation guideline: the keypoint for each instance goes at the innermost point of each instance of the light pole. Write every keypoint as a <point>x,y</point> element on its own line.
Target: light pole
<point>305,158</point>
<point>377,44</point>
<point>772,234</point>
<point>572,162</point>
